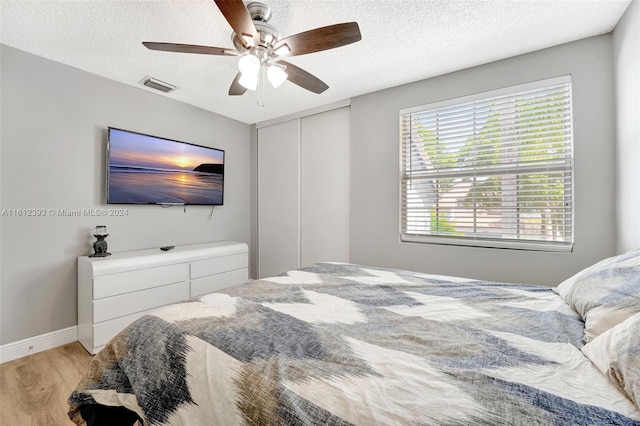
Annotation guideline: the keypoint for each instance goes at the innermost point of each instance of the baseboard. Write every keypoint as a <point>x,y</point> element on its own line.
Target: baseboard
<point>36,344</point>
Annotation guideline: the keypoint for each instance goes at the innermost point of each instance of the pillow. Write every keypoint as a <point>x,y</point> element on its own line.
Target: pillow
<point>606,293</point>
<point>616,353</point>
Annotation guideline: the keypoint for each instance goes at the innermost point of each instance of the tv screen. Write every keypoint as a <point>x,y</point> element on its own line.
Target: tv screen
<point>144,169</point>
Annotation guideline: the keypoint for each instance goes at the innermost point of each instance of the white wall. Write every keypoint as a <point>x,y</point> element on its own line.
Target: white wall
<point>53,140</point>
<point>626,56</point>
<point>375,168</point>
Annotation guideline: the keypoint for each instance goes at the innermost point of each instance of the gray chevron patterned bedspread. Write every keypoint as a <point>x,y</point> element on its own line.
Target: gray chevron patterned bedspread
<point>342,344</point>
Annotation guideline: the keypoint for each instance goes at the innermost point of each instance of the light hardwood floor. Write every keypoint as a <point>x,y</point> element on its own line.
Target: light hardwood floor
<point>34,389</point>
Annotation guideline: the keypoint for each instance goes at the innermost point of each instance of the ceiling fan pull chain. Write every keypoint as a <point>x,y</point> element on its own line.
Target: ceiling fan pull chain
<point>261,87</point>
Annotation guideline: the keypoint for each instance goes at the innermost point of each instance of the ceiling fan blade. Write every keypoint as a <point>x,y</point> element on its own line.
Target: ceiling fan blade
<point>320,39</point>
<point>236,88</point>
<point>304,79</point>
<point>190,48</point>
<point>237,15</point>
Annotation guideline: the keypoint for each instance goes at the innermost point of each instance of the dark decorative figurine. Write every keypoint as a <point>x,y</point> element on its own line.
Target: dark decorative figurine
<point>100,246</point>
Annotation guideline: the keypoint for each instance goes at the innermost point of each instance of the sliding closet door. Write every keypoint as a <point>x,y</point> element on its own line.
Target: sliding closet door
<point>325,151</point>
<point>303,192</point>
<point>278,198</point>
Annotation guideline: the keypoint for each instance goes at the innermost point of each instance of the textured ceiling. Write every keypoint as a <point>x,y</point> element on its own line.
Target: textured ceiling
<point>402,41</point>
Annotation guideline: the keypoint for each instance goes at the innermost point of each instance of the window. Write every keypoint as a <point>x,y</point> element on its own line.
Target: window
<point>490,170</point>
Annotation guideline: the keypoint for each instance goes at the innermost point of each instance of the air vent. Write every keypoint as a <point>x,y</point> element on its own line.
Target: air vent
<point>158,85</point>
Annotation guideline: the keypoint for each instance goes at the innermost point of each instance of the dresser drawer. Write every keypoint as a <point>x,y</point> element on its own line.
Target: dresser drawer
<point>125,282</point>
<point>219,281</point>
<point>104,331</point>
<point>124,304</point>
<point>216,265</point>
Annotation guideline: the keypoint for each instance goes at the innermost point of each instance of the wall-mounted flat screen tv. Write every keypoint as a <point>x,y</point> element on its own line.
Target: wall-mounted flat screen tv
<point>145,169</point>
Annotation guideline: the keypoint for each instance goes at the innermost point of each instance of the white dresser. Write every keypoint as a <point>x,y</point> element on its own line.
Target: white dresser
<point>114,291</point>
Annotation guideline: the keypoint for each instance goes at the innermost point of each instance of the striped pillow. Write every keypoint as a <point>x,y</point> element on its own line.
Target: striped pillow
<point>616,353</point>
<point>606,293</point>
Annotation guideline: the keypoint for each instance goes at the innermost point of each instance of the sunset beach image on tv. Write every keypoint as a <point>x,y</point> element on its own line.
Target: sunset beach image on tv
<point>144,169</point>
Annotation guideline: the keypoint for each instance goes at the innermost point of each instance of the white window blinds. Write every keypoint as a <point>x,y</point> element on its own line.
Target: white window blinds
<point>491,170</point>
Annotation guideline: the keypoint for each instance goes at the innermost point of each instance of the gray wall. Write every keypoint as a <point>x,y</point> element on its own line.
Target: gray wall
<point>53,140</point>
<point>626,55</point>
<point>375,168</point>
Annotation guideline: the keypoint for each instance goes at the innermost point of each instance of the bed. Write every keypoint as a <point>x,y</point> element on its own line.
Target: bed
<point>343,344</point>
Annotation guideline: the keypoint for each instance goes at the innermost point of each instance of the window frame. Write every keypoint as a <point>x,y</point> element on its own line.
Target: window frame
<point>479,241</point>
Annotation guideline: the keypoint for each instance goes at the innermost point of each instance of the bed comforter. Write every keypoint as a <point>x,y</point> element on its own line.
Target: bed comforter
<point>342,344</point>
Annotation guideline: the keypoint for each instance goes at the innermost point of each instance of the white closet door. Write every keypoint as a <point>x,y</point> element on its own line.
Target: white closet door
<point>278,198</point>
<point>325,153</point>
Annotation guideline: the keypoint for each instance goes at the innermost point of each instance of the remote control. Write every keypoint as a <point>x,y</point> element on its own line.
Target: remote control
<point>167,248</point>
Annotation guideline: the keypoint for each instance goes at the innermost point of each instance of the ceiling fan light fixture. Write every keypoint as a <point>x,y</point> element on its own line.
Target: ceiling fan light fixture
<point>276,75</point>
<point>249,64</point>
<point>249,81</point>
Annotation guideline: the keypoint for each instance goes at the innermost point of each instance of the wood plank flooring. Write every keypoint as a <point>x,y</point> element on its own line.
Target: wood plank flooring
<point>34,389</point>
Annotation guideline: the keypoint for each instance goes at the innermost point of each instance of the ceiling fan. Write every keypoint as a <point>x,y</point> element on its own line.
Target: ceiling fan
<point>260,48</point>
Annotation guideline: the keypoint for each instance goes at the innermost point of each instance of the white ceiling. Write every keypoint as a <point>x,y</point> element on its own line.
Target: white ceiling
<point>402,41</point>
